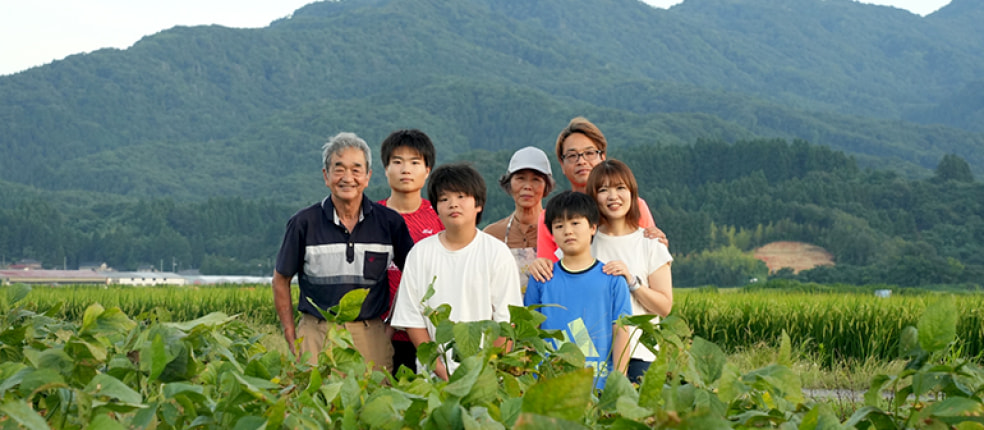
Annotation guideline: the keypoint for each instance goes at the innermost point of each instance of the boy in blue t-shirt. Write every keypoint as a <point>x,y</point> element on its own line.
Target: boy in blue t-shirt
<point>591,301</point>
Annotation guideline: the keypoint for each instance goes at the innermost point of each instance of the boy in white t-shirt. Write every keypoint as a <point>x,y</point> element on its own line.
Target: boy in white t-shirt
<point>472,271</point>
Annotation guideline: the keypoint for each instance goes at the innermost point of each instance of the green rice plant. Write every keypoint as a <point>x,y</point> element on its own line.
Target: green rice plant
<point>840,326</point>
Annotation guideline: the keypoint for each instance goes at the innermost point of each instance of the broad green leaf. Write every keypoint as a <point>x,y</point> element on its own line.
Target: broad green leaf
<point>478,418</point>
<point>103,385</point>
<point>104,422</point>
<point>938,325</point>
<point>173,389</point>
<point>275,414</point>
<point>351,305</point>
<point>208,321</point>
<point>464,377</point>
<point>484,389</point>
<point>628,408</point>
<point>871,414</point>
<point>617,386</point>
<point>510,409</point>
<point>89,317</point>
<point>446,416</point>
<point>709,360</point>
<point>653,381</point>
<point>158,357</point>
<point>519,314</point>
<point>32,381</point>
<point>467,338</point>
<point>22,413</point>
<point>250,422</point>
<point>566,396</point>
<point>821,417</point>
<point>97,321</point>
<point>873,397</point>
<point>956,407</point>
<point>532,421</point>
<point>256,386</point>
<point>384,410</point>
<point>909,342</point>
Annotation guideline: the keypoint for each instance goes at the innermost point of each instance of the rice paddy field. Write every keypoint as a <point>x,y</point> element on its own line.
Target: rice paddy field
<point>831,327</point>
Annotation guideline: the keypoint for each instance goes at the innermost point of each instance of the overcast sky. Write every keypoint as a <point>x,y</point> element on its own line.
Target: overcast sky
<point>36,32</point>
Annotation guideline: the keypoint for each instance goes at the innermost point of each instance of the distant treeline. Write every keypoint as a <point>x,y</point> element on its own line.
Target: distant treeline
<point>716,202</point>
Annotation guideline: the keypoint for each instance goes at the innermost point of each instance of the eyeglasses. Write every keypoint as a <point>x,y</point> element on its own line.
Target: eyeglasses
<point>572,157</point>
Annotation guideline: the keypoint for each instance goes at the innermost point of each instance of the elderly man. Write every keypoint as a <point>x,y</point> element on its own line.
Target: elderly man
<point>343,243</point>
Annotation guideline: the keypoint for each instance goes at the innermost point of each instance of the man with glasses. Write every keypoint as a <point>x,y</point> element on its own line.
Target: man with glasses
<point>580,147</point>
<point>343,243</point>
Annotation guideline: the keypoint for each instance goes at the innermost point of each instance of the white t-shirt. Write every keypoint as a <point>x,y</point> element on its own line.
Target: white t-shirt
<point>479,282</point>
<point>642,256</point>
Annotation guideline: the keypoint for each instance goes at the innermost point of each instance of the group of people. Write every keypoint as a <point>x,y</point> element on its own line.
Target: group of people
<point>594,251</point>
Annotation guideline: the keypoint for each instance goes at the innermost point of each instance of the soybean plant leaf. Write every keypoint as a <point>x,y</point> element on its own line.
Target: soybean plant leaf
<point>97,321</point>
<point>464,377</point>
<point>467,338</point>
<point>256,386</point>
<point>32,380</point>
<point>173,389</point>
<point>484,389</point>
<point>709,360</point>
<point>566,396</point>
<point>446,416</point>
<point>478,418</point>
<point>510,409</point>
<point>158,357</point>
<point>24,415</point>
<point>956,407</point>
<point>275,414</point>
<point>873,415</point>
<point>518,314</point>
<point>16,293</point>
<point>250,422</point>
<point>617,386</point>
<point>351,305</point>
<point>821,417</point>
<point>89,317</point>
<point>108,386</point>
<point>909,342</point>
<point>104,422</point>
<point>384,410</point>
<point>211,320</point>
<point>873,397</point>
<point>938,325</point>
<point>532,421</point>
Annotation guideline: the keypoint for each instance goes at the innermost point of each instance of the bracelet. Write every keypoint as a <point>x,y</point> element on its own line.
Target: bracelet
<point>635,285</point>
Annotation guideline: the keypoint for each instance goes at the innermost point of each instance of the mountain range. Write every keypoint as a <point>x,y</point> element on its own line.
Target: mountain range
<point>196,112</point>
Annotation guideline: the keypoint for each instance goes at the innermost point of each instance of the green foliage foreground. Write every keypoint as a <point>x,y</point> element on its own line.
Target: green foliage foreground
<point>110,371</point>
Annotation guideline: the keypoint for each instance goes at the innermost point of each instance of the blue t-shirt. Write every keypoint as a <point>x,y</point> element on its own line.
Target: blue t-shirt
<point>591,302</point>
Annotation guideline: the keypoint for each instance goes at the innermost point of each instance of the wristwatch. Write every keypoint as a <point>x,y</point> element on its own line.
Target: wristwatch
<point>635,285</point>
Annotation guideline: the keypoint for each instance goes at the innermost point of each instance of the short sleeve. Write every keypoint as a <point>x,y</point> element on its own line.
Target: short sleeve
<point>291,252</point>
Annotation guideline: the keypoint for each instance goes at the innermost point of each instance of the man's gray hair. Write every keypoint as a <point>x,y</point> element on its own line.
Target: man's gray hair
<point>342,141</point>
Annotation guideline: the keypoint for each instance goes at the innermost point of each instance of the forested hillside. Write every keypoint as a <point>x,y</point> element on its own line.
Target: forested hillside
<point>198,142</point>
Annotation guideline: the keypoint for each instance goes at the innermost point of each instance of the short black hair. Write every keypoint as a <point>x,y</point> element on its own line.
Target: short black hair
<point>457,178</point>
<point>410,138</point>
<point>568,205</point>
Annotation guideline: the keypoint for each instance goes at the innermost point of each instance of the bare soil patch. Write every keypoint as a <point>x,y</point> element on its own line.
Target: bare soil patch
<point>795,255</point>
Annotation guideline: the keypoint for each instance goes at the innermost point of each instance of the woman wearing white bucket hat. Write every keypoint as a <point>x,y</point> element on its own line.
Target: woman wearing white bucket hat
<point>527,180</point>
